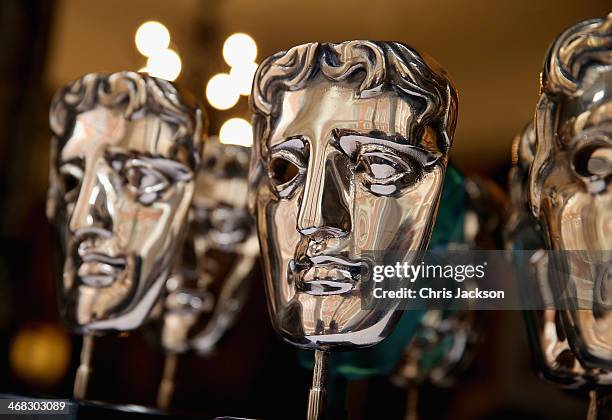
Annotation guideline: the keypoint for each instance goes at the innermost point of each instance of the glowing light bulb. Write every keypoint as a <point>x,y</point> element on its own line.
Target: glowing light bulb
<point>236,131</point>
<point>165,65</point>
<point>243,75</point>
<point>40,354</point>
<point>152,38</point>
<point>222,92</point>
<point>239,49</point>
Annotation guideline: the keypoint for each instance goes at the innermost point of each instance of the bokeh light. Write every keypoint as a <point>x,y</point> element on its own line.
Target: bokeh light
<point>236,131</point>
<point>243,77</point>
<point>239,49</point>
<point>152,38</point>
<point>166,65</point>
<point>222,92</point>
<point>40,354</point>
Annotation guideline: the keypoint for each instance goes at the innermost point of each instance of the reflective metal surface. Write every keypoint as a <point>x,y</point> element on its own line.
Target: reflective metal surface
<point>569,178</point>
<point>553,357</point>
<point>486,209</point>
<point>209,288</point>
<point>522,230</point>
<point>444,344</point>
<point>123,158</point>
<point>317,396</point>
<point>442,349</point>
<point>350,150</point>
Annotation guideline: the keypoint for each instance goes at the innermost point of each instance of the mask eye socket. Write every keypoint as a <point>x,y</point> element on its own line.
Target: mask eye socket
<point>282,171</point>
<point>384,173</point>
<point>594,161</point>
<point>381,168</point>
<point>70,177</point>
<point>287,165</point>
<point>146,182</point>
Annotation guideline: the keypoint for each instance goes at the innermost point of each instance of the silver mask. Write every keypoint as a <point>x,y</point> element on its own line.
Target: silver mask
<point>210,286</point>
<point>553,357</point>
<point>124,153</point>
<point>569,179</point>
<point>446,340</point>
<point>350,151</point>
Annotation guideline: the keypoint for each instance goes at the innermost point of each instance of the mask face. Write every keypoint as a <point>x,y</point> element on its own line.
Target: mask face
<point>569,186</point>
<point>578,195</point>
<point>552,356</point>
<point>342,179</point>
<point>119,196</point>
<point>576,211</point>
<point>210,286</point>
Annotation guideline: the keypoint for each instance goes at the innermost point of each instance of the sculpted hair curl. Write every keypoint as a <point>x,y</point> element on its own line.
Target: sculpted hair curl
<point>136,95</point>
<point>379,66</point>
<point>585,46</point>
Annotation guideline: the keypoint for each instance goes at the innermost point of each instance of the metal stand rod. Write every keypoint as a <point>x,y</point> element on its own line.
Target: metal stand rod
<point>166,386</point>
<point>412,403</point>
<point>599,405</point>
<point>317,397</point>
<point>81,379</point>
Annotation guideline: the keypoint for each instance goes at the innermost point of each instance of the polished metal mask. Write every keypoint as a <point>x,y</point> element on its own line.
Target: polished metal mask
<point>569,178</point>
<point>522,230</point>
<point>211,283</point>
<point>442,349</point>
<point>486,208</point>
<point>554,359</point>
<point>445,342</point>
<point>351,145</point>
<point>124,152</point>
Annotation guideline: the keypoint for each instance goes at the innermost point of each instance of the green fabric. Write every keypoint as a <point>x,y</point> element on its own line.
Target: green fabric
<point>382,358</point>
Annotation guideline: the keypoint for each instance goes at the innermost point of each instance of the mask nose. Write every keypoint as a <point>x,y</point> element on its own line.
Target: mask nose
<point>91,210</point>
<point>325,206</point>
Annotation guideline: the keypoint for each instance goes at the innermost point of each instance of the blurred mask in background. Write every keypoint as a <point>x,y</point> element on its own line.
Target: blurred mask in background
<point>569,183</point>
<point>123,160</point>
<point>553,357</point>
<point>210,285</point>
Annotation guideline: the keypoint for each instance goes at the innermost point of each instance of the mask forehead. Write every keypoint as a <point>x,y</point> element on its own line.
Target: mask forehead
<point>101,128</point>
<point>589,108</point>
<point>212,191</point>
<point>319,108</point>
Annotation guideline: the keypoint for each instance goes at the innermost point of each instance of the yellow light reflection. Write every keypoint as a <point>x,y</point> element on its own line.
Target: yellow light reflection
<point>239,49</point>
<point>243,77</point>
<point>165,65</point>
<point>236,131</point>
<point>40,354</point>
<point>222,92</point>
<point>152,38</point>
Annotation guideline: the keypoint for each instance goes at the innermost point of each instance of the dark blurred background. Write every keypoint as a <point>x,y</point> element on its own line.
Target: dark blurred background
<point>492,49</point>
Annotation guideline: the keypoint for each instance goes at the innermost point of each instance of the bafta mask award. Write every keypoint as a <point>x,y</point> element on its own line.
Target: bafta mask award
<point>569,187</point>
<point>350,150</point>
<point>124,153</point>
<point>208,289</point>
<point>553,356</point>
<point>446,340</point>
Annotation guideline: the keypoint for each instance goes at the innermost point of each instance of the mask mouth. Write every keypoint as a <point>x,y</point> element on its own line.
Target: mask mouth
<point>99,270</point>
<point>226,227</point>
<point>228,239</point>
<point>189,301</point>
<point>324,275</point>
